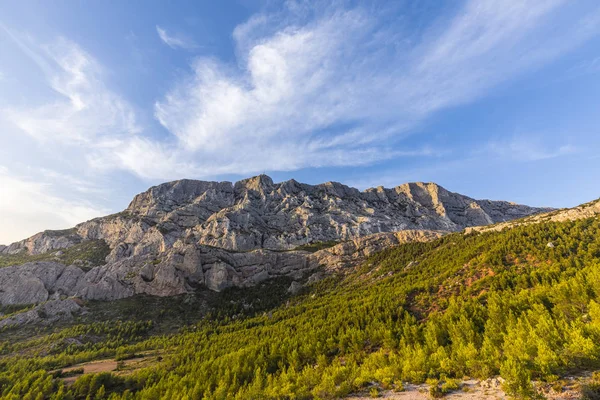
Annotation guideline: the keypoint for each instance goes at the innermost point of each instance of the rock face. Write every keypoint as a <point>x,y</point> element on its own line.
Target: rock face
<point>357,250</point>
<point>47,313</point>
<point>258,214</point>
<point>180,235</point>
<point>37,282</point>
<point>44,242</point>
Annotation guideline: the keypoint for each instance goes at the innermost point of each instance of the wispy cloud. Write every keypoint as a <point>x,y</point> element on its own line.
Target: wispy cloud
<point>589,66</point>
<point>175,41</point>
<point>84,111</point>
<point>79,118</point>
<point>338,88</point>
<point>528,148</point>
<point>77,184</point>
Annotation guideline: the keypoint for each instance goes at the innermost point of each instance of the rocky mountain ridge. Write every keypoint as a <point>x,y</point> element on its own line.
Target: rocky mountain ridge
<point>587,210</point>
<point>185,234</point>
<point>255,213</point>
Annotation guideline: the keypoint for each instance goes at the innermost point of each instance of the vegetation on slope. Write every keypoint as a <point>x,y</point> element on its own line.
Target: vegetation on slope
<point>522,303</point>
<point>90,252</point>
<point>316,246</point>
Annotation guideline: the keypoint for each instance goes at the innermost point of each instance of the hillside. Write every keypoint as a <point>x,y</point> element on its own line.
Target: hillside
<point>587,210</point>
<point>522,303</point>
<point>182,235</point>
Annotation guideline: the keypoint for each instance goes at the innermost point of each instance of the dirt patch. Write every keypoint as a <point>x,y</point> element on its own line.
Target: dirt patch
<point>88,368</point>
<point>108,365</point>
<point>133,364</point>
<point>472,389</point>
<point>94,367</point>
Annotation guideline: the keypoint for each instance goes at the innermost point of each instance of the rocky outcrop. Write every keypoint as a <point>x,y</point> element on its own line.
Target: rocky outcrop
<point>177,271</point>
<point>294,288</point>
<point>355,251</point>
<point>180,235</point>
<point>37,282</point>
<point>44,242</point>
<point>46,313</point>
<point>182,269</point>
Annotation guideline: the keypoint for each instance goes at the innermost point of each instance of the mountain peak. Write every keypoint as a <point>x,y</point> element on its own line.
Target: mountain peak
<point>170,195</point>
<point>259,183</point>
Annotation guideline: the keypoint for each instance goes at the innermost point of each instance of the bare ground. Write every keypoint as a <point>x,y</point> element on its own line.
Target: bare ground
<point>110,365</point>
<point>566,389</point>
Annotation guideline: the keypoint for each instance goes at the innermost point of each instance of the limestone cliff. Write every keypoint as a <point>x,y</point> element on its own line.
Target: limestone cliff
<point>180,235</point>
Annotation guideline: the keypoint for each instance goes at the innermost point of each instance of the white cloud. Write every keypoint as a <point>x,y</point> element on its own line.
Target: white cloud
<point>77,184</point>
<point>85,112</point>
<point>27,206</point>
<point>175,41</point>
<point>339,89</point>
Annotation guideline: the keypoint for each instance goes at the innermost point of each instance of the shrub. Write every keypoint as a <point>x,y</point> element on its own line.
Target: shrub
<point>374,392</point>
<point>450,385</point>
<point>590,391</point>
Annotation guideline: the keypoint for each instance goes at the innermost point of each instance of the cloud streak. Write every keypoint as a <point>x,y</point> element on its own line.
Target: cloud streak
<point>175,41</point>
<point>84,112</point>
<point>50,185</point>
<point>528,148</point>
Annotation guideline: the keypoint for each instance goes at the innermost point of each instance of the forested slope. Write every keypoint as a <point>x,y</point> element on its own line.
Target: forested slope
<point>522,303</point>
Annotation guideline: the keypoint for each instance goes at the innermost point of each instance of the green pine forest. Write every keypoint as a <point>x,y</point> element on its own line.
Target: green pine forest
<point>466,305</point>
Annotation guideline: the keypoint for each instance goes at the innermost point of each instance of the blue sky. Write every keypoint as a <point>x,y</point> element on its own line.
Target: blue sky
<point>101,99</point>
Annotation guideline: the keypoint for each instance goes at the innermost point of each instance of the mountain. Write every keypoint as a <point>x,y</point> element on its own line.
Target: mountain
<point>445,313</point>
<point>255,214</point>
<point>184,234</point>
